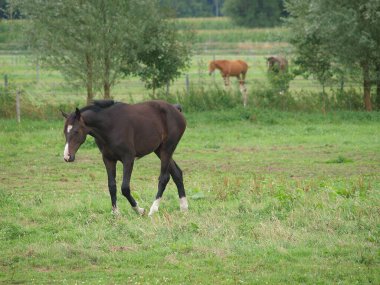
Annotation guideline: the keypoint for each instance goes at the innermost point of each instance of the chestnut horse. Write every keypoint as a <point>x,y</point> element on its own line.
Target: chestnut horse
<point>235,68</point>
<point>124,132</point>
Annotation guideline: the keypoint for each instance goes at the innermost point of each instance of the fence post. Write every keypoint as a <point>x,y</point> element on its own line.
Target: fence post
<point>38,71</point>
<point>6,81</point>
<point>18,113</point>
<point>187,84</point>
<point>213,74</point>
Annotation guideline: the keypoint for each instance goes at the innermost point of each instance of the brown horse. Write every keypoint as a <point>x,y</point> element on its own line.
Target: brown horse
<point>235,68</point>
<point>277,64</point>
<point>124,132</point>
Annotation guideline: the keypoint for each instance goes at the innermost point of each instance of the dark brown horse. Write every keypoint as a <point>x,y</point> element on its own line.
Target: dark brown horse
<point>228,68</point>
<point>277,64</point>
<point>124,132</point>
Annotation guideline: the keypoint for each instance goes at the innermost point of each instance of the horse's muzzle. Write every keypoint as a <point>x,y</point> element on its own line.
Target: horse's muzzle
<point>69,158</point>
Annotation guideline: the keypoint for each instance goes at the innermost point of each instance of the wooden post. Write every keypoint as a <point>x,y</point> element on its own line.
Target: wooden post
<point>18,113</point>
<point>6,81</point>
<point>38,71</point>
<point>187,84</point>
<point>213,74</point>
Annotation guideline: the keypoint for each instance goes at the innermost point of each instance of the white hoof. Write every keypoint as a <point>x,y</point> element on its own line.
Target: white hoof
<point>183,205</point>
<point>115,211</point>
<point>138,210</point>
<point>154,208</point>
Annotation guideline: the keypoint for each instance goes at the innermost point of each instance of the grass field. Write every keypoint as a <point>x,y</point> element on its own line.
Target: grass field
<point>275,198</point>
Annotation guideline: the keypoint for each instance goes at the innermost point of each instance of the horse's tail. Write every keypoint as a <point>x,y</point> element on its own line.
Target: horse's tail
<point>178,107</point>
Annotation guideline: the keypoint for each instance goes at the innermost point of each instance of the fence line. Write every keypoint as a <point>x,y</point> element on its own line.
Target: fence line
<point>49,86</point>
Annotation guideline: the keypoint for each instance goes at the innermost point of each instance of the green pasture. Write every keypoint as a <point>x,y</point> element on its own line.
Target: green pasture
<point>274,197</point>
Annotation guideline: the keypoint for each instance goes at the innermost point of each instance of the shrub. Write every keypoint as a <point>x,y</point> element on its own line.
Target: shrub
<point>7,102</point>
<point>28,108</point>
<point>203,99</point>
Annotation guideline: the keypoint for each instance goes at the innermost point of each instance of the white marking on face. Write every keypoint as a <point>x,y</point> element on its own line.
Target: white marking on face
<point>66,155</point>
<point>69,127</point>
<point>154,207</point>
<point>184,206</point>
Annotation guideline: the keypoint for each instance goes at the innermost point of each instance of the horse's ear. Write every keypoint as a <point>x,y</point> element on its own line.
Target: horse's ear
<point>77,114</point>
<point>65,115</point>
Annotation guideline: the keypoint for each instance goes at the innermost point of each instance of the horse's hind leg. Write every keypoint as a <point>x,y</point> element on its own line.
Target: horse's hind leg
<point>176,174</point>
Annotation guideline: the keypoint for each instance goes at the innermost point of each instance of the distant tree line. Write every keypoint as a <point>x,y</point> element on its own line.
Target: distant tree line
<point>194,8</point>
<point>8,10</point>
<point>250,13</point>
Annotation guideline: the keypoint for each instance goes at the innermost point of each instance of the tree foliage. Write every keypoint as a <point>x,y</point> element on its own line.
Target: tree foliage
<point>94,43</point>
<point>162,54</point>
<point>254,13</point>
<point>332,34</point>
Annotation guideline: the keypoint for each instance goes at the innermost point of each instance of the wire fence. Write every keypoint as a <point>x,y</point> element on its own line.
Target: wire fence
<point>21,71</point>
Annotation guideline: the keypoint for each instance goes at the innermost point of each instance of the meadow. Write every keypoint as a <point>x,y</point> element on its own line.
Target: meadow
<point>274,197</point>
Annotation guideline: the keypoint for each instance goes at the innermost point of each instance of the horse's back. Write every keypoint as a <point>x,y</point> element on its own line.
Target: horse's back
<point>145,125</point>
<point>161,113</point>
<point>243,64</point>
<point>238,67</point>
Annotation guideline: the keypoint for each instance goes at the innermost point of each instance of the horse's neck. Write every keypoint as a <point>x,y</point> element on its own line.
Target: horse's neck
<point>221,64</point>
<point>94,121</point>
<point>218,64</point>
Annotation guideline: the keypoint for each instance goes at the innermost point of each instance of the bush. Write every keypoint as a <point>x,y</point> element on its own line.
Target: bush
<point>280,81</point>
<point>348,99</point>
<point>29,109</point>
<point>7,102</point>
<point>203,99</point>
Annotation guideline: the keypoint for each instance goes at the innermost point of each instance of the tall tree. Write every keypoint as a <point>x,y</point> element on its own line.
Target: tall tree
<point>254,13</point>
<point>92,42</point>
<point>162,54</point>
<point>340,32</point>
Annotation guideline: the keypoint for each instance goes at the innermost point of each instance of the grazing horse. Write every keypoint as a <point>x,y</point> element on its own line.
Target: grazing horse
<point>124,132</point>
<point>277,64</point>
<point>229,68</point>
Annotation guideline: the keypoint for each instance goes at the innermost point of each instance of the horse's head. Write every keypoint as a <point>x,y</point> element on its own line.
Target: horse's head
<point>75,132</point>
<point>211,67</point>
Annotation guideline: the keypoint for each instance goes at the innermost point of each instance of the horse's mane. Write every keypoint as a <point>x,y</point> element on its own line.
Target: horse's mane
<point>98,105</point>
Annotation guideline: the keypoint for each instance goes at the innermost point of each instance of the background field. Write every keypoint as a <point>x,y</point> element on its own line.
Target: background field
<point>274,198</point>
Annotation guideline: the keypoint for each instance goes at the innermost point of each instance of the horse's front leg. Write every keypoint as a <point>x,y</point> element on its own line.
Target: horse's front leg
<point>162,181</point>
<point>225,79</point>
<point>111,173</point>
<point>125,187</point>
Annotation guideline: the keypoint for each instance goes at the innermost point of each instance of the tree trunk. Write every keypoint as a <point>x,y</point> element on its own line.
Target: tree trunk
<point>106,79</point>
<point>90,92</point>
<point>377,101</point>
<point>106,56</point>
<point>107,90</point>
<point>366,87</point>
